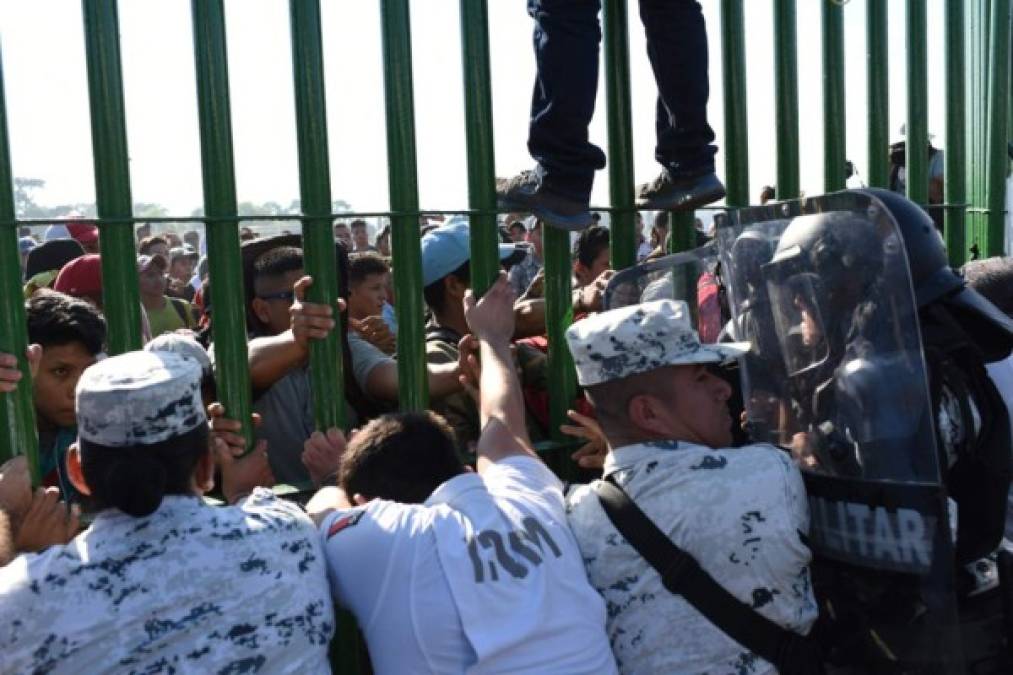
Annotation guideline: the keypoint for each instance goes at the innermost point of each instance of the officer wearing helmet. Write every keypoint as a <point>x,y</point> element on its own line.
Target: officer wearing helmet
<point>883,348</point>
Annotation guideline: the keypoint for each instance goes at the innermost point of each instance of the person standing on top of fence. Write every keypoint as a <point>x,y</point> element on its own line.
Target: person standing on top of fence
<point>567,35</point>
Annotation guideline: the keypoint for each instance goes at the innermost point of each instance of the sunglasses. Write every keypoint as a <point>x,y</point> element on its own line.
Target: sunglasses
<point>280,295</point>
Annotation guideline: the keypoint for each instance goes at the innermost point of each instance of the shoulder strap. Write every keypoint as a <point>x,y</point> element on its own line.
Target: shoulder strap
<point>791,653</point>
<point>180,308</point>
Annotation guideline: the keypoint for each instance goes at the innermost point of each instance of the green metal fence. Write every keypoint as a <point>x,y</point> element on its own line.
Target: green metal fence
<point>977,56</point>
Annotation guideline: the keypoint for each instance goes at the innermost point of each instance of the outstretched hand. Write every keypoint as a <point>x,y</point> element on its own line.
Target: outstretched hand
<point>240,475</point>
<point>48,522</point>
<point>310,320</point>
<point>491,319</point>
<point>229,430</point>
<point>10,374</point>
<point>322,455</point>
<point>592,454</point>
<point>15,487</point>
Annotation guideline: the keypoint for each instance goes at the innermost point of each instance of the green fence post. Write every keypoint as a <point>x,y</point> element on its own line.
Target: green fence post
<point>956,141</point>
<point>786,98</point>
<point>878,92</point>
<point>622,243</point>
<point>683,231</point>
<point>834,125</point>
<point>976,74</point>
<point>733,59</point>
<point>225,267</point>
<point>479,133</point>
<point>997,136</point>
<point>404,201</point>
<point>558,317</point>
<point>120,296</point>
<point>326,376</point>
<point>917,160</point>
<point>17,409</point>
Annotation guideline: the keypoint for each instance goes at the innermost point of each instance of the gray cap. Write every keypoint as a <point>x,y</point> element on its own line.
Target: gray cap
<point>181,345</point>
<point>139,398</point>
<point>640,338</point>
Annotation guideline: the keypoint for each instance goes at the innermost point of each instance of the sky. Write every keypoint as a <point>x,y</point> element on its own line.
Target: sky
<point>42,47</point>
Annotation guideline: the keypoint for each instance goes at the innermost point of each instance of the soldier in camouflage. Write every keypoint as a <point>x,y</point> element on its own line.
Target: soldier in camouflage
<point>161,581</point>
<point>740,513</point>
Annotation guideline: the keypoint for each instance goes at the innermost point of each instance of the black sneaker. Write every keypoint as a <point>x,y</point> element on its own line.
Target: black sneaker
<point>684,194</point>
<point>524,192</point>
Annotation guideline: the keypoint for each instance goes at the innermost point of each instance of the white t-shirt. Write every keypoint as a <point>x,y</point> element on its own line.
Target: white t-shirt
<point>189,589</point>
<point>738,512</point>
<point>485,577</point>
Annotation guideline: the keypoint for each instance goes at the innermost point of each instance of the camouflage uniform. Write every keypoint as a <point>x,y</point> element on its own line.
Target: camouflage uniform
<point>187,588</point>
<point>739,512</point>
<point>190,588</point>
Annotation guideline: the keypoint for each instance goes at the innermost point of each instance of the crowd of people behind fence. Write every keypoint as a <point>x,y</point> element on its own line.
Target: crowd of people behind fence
<point>156,544</point>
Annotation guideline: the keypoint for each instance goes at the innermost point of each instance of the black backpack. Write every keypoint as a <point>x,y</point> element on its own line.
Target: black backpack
<point>979,479</point>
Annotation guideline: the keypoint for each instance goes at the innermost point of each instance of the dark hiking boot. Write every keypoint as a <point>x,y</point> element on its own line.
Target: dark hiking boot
<point>524,192</point>
<point>681,194</point>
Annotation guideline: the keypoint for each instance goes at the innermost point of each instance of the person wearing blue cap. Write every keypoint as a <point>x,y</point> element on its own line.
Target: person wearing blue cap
<point>446,277</point>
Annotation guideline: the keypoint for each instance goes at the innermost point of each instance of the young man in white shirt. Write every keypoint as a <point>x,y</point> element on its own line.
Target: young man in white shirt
<point>739,512</point>
<point>450,571</point>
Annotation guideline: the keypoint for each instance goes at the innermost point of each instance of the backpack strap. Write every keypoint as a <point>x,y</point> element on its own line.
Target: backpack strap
<point>791,653</point>
<point>180,308</point>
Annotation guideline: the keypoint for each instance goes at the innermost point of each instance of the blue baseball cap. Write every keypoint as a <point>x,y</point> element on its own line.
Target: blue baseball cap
<point>448,246</point>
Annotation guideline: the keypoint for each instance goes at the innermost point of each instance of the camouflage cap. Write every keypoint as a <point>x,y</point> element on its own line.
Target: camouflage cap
<point>182,345</point>
<point>639,338</point>
<point>139,398</point>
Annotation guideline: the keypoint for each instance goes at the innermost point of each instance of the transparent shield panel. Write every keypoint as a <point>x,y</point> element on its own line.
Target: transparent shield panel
<point>691,276</point>
<point>837,369</point>
<point>836,375</point>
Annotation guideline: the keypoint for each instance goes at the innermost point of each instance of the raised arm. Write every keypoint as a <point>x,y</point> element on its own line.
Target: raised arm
<point>501,404</point>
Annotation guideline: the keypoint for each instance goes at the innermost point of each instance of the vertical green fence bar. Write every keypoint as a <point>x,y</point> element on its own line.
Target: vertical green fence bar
<point>956,142</point>
<point>976,73</point>
<point>786,98</point>
<point>733,60</point>
<point>917,158</point>
<point>622,244</point>
<point>997,135</point>
<point>834,124</point>
<point>558,316</point>
<point>17,409</point>
<point>404,201</point>
<point>225,267</point>
<point>878,92</point>
<point>120,296</point>
<point>479,133</point>
<point>683,231</point>
<point>326,374</point>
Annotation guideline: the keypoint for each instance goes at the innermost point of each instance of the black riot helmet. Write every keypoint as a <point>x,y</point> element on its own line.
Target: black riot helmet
<point>824,268</point>
<point>934,281</point>
<point>931,274</point>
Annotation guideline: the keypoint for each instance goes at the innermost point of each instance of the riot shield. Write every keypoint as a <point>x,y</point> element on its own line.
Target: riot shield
<point>692,276</point>
<point>836,374</point>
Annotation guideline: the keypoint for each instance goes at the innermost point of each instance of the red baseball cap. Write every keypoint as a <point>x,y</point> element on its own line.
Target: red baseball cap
<point>83,233</point>
<point>81,277</point>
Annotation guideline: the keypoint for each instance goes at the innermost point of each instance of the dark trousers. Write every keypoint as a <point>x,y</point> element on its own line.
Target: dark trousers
<point>567,37</point>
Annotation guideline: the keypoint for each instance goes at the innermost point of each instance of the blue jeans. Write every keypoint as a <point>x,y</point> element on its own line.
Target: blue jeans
<point>567,36</point>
